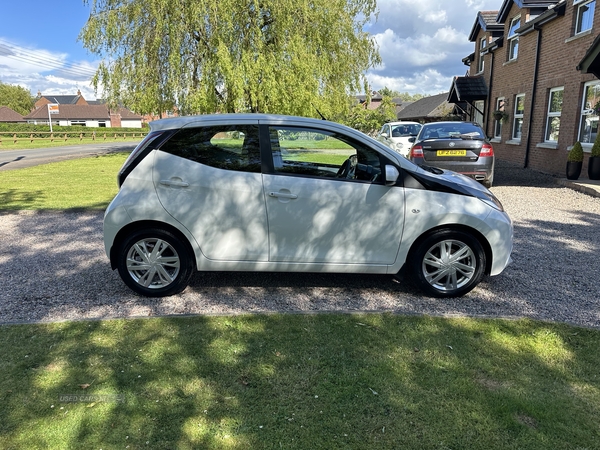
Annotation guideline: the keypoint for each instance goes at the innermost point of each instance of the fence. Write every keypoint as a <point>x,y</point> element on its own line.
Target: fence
<point>15,137</point>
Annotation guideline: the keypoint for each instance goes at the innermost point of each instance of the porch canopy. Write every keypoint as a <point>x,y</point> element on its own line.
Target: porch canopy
<point>591,61</point>
<point>468,90</point>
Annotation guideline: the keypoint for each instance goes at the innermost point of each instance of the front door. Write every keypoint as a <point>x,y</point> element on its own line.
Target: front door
<point>326,201</point>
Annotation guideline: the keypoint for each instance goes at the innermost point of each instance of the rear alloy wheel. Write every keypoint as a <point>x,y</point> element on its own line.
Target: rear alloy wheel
<point>154,263</point>
<point>448,263</point>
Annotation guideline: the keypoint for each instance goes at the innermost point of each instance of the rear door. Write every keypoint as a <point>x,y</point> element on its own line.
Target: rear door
<point>208,178</point>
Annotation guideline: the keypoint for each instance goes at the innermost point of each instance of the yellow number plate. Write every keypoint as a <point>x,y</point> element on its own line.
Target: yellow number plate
<point>452,153</point>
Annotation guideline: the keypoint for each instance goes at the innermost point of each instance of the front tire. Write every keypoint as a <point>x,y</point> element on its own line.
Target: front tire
<point>448,263</point>
<point>154,263</point>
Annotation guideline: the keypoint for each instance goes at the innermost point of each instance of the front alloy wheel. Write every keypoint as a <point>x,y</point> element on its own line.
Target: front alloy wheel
<point>448,263</point>
<point>154,263</point>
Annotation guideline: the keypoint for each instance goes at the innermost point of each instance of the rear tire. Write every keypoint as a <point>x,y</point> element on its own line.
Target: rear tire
<point>154,263</point>
<point>448,263</point>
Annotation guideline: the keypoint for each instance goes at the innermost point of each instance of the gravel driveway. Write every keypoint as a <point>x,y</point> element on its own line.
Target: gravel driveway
<point>53,267</point>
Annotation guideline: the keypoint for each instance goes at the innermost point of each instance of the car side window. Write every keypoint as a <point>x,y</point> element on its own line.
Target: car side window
<point>318,153</point>
<point>230,147</point>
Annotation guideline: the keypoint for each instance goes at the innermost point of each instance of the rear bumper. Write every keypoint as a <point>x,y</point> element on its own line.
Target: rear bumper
<point>481,171</point>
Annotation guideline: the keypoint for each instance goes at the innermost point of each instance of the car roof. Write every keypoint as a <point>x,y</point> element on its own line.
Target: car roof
<point>181,121</point>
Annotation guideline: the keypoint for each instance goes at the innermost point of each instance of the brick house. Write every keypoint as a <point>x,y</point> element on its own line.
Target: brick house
<point>535,61</point>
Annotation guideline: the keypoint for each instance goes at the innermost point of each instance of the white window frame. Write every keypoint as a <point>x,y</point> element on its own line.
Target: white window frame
<point>481,62</point>
<point>589,119</point>
<point>579,11</point>
<point>500,106</point>
<point>478,105</point>
<point>553,115</point>
<point>518,118</point>
<point>513,38</point>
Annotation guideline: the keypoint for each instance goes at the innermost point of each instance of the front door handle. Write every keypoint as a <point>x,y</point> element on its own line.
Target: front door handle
<point>286,195</point>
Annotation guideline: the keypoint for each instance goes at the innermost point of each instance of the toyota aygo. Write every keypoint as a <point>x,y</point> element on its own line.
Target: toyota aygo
<point>253,192</point>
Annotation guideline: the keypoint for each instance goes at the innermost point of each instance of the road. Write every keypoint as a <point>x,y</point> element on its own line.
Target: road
<point>18,159</point>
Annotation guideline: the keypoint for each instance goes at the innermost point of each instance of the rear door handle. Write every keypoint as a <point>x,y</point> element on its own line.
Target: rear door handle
<point>174,183</point>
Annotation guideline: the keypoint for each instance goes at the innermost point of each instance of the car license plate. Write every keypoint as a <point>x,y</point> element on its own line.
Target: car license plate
<point>451,153</point>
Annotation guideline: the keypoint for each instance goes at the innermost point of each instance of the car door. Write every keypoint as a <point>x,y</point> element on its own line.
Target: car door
<point>208,178</point>
<point>327,202</point>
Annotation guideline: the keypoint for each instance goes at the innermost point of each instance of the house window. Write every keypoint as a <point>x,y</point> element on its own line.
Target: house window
<point>500,103</point>
<point>518,119</point>
<point>555,102</point>
<point>588,129</point>
<point>584,14</point>
<point>478,111</point>
<point>480,63</point>
<point>513,38</point>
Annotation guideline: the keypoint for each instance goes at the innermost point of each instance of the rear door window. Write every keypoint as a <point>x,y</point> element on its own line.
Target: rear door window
<point>229,147</point>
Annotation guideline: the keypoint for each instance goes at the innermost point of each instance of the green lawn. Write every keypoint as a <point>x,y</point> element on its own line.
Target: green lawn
<point>83,183</point>
<point>300,381</point>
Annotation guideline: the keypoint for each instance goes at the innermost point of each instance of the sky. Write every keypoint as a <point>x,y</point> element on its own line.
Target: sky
<point>421,42</point>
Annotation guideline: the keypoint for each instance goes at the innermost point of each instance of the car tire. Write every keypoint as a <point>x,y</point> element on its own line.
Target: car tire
<point>448,263</point>
<point>154,263</point>
<point>487,184</point>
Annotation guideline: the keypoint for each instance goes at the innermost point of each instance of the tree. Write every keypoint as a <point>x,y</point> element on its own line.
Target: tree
<point>204,56</point>
<point>369,121</point>
<point>16,98</point>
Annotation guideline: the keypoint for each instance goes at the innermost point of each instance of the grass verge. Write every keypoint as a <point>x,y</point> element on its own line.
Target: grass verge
<point>83,183</point>
<point>300,381</point>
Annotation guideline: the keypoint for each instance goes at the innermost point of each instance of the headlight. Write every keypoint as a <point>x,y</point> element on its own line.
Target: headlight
<point>491,200</point>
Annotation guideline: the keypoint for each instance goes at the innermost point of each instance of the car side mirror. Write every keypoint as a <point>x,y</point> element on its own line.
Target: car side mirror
<point>412,140</point>
<point>391,175</point>
<point>385,135</point>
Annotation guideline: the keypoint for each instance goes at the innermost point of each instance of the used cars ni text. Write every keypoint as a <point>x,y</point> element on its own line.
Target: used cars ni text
<point>254,192</point>
<point>458,146</point>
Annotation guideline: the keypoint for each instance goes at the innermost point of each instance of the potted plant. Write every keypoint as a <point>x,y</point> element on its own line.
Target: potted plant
<point>574,161</point>
<point>500,115</point>
<point>594,160</point>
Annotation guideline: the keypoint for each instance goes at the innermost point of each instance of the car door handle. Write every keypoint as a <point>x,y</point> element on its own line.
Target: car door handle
<point>174,183</point>
<point>283,195</point>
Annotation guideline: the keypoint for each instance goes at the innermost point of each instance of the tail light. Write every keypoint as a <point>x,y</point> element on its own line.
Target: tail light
<point>486,151</point>
<point>416,151</point>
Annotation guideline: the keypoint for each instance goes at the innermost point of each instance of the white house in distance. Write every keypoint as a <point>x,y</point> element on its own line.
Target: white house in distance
<point>75,110</point>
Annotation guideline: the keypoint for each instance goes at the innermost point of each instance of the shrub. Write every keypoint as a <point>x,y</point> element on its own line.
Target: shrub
<point>576,153</point>
<point>596,147</point>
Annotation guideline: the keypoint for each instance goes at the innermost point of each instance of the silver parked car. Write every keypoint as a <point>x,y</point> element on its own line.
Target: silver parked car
<point>253,192</point>
<point>458,146</point>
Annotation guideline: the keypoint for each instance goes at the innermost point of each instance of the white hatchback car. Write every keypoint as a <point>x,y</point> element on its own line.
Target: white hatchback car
<point>396,135</point>
<point>253,192</point>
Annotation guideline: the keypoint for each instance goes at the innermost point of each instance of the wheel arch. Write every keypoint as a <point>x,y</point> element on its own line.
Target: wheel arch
<point>455,227</point>
<point>145,224</point>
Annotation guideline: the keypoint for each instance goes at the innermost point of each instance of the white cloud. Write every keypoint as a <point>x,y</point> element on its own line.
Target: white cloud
<point>422,42</point>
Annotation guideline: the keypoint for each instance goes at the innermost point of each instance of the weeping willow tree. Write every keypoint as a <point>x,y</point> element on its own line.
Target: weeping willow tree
<point>205,56</point>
